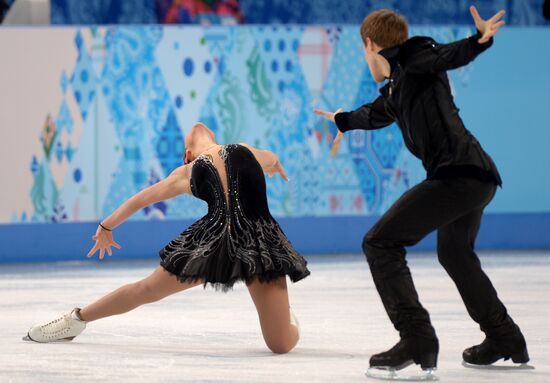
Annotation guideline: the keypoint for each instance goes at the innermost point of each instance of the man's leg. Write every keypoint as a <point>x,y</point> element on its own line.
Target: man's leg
<point>421,210</point>
<point>455,249</point>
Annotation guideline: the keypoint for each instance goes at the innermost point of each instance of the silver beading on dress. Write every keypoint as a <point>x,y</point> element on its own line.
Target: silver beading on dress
<point>238,233</point>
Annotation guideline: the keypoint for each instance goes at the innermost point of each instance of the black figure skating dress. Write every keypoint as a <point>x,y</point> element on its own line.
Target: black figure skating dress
<point>238,239</point>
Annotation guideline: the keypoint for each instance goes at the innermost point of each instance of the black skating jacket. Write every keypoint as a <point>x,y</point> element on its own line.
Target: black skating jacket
<point>418,97</point>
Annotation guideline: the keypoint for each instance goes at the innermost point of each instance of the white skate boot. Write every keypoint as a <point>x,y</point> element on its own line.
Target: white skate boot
<point>65,328</point>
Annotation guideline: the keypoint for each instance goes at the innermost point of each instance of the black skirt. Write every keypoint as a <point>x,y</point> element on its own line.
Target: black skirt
<point>220,255</point>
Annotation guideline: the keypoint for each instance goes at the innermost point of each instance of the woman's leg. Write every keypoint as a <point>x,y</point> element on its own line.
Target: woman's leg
<point>271,300</point>
<point>156,286</point>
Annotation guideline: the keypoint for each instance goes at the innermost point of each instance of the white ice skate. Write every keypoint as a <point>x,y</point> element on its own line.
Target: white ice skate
<point>65,328</point>
<point>396,374</point>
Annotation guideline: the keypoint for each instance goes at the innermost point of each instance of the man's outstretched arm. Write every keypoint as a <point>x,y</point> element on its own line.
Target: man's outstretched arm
<point>434,57</point>
<point>367,117</point>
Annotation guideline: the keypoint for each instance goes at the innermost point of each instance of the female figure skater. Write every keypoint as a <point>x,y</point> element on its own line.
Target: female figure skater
<point>237,240</point>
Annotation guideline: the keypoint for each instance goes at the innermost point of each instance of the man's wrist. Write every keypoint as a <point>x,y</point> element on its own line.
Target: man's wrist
<point>474,41</point>
<point>341,121</point>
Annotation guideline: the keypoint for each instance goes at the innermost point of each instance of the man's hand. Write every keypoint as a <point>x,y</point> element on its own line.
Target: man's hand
<point>103,241</point>
<point>336,143</point>
<point>487,28</point>
<point>327,115</point>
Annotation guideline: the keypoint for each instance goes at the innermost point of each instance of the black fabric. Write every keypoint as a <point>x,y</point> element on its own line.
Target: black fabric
<point>418,97</point>
<point>546,9</point>
<point>235,241</point>
<point>4,6</point>
<point>454,208</point>
<point>490,351</point>
<point>421,351</point>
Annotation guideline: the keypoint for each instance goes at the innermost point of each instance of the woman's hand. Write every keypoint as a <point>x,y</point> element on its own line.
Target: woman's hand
<point>277,167</point>
<point>487,28</point>
<point>331,116</point>
<point>268,161</point>
<point>103,242</point>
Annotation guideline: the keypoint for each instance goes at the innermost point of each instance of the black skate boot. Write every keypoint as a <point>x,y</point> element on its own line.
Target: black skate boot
<point>490,351</point>
<point>408,351</point>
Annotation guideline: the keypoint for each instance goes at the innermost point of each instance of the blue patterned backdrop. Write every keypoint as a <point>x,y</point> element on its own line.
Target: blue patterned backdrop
<point>138,90</point>
<point>447,12</point>
<point>109,107</point>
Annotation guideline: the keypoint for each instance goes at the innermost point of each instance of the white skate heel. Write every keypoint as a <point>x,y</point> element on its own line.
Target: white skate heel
<point>65,328</point>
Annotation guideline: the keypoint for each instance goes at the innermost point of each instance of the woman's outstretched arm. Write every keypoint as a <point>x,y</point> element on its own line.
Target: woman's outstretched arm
<point>178,182</point>
<point>268,161</point>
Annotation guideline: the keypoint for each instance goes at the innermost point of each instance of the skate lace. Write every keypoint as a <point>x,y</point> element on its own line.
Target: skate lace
<point>57,326</point>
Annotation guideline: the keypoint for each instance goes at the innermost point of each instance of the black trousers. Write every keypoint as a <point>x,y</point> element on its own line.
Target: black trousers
<point>453,207</point>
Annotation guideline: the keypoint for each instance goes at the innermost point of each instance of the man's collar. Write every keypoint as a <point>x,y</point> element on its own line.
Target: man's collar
<point>390,54</point>
<point>405,50</point>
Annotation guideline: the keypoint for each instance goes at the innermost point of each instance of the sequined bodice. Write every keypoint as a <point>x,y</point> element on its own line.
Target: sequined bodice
<point>246,188</point>
<point>237,239</point>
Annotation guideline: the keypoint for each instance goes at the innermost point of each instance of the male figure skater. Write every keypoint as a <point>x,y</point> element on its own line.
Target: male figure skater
<point>461,181</point>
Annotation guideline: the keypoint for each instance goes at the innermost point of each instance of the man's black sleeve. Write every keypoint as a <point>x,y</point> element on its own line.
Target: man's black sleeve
<point>369,116</point>
<point>432,57</point>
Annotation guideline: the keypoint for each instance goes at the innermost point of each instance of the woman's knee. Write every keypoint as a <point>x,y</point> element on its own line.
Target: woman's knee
<point>282,339</point>
<point>282,345</point>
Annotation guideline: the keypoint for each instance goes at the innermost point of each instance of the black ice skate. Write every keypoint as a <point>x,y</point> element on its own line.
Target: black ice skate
<point>408,351</point>
<point>484,355</point>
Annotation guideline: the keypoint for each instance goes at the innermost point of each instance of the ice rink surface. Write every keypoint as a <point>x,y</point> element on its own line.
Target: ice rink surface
<point>207,336</point>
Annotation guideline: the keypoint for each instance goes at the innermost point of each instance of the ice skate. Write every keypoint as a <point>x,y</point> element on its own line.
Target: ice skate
<point>389,365</point>
<point>65,328</point>
<point>486,354</point>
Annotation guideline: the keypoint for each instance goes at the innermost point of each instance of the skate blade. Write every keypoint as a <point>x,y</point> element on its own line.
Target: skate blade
<point>522,366</point>
<point>27,338</point>
<point>388,373</point>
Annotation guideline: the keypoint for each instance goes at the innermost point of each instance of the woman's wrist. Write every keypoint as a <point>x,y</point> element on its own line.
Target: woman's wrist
<point>104,228</point>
